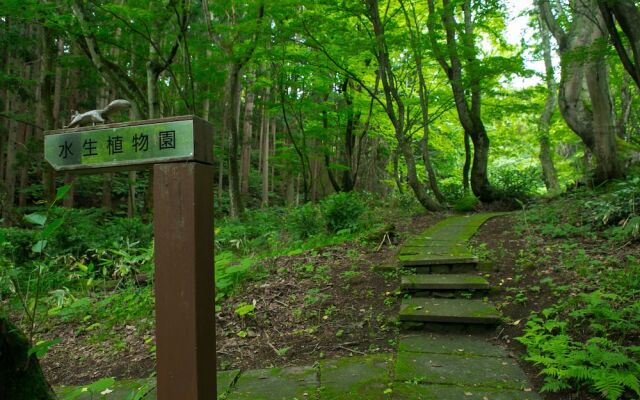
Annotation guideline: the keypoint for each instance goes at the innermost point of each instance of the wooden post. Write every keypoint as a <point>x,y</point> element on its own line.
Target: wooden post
<point>180,150</point>
<point>184,281</point>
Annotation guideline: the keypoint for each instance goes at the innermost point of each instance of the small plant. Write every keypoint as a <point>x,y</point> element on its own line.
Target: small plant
<point>245,309</point>
<point>342,212</point>
<point>304,221</point>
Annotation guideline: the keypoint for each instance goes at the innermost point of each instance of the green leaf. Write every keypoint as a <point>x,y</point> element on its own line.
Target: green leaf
<point>39,246</point>
<point>41,348</point>
<point>61,192</point>
<point>52,227</point>
<point>245,309</point>
<point>36,219</point>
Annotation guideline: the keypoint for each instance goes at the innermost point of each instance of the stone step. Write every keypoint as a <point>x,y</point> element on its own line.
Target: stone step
<point>443,282</point>
<point>424,259</point>
<point>460,311</point>
<point>443,268</point>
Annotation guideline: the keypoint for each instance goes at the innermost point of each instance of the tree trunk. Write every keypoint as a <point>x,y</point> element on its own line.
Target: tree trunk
<point>265,150</point>
<point>24,168</point>
<point>468,106</point>
<point>395,107</point>
<point>21,377</point>
<point>479,179</point>
<point>131,198</point>
<point>396,171</point>
<point>626,100</point>
<point>546,155</point>
<point>246,141</point>
<point>467,164</point>
<point>273,154</point>
<point>627,14</point>
<point>426,201</point>
<point>605,149</point>
<point>594,123</point>
<point>230,126</point>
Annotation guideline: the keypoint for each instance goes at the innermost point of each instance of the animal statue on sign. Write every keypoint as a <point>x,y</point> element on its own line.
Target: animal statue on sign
<point>98,116</point>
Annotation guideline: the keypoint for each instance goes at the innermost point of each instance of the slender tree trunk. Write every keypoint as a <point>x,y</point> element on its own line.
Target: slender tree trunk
<point>396,171</point>
<point>423,92</point>
<point>246,139</point>
<point>131,198</point>
<point>230,126</point>
<point>626,101</point>
<point>24,168</point>
<point>431,173</point>
<point>273,153</point>
<point>265,150</point>
<point>221,164</point>
<point>51,107</point>
<point>466,168</point>
<point>395,107</point>
<point>549,174</point>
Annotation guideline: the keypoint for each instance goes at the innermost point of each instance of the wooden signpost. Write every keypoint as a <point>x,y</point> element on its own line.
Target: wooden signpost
<point>180,151</point>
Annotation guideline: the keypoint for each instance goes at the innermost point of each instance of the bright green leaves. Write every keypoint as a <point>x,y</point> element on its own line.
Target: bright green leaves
<point>36,219</point>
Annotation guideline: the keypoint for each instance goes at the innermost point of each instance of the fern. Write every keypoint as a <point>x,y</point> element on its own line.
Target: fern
<point>599,365</point>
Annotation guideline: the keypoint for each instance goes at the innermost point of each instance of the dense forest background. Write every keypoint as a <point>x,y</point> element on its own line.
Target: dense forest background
<point>308,99</point>
<point>341,129</point>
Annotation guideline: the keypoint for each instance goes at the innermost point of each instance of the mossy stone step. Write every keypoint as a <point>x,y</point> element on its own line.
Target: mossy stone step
<point>457,311</point>
<point>424,259</point>
<point>443,282</point>
<point>466,268</point>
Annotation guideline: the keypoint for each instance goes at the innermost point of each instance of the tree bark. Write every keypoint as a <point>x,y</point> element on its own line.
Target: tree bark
<point>247,131</point>
<point>627,14</point>
<point>24,168</point>
<point>230,126</point>
<point>265,151</point>
<point>21,377</point>
<point>594,123</point>
<point>549,174</point>
<point>466,168</point>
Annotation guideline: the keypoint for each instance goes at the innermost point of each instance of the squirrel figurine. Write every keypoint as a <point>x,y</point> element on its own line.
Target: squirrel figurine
<point>98,116</point>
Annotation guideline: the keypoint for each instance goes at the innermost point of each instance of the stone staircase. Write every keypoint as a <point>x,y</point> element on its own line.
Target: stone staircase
<point>440,278</point>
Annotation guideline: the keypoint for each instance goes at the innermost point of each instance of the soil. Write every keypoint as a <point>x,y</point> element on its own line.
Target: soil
<point>331,302</point>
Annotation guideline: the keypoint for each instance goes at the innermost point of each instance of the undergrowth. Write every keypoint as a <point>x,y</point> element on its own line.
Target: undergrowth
<point>98,270</point>
<point>589,339</point>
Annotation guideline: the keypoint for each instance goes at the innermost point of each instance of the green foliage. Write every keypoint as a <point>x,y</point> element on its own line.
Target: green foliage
<point>304,221</point>
<point>599,364</point>
<point>618,208</point>
<point>342,211</point>
<point>467,203</point>
<point>517,183</point>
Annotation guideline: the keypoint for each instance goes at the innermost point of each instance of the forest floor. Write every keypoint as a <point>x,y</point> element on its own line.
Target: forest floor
<point>342,300</point>
<point>530,280</point>
<point>331,302</point>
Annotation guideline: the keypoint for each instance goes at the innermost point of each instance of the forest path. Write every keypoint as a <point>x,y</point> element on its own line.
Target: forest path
<point>451,357</point>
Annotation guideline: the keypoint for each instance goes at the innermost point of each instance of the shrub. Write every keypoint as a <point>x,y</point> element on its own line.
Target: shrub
<point>516,183</point>
<point>304,221</point>
<point>451,188</point>
<point>467,203</point>
<point>342,211</point>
